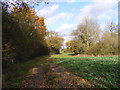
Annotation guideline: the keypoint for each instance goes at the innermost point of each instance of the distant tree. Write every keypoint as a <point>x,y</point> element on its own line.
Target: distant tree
<point>110,39</point>
<point>86,34</point>
<point>108,44</point>
<point>54,42</point>
<point>66,50</point>
<point>76,46</point>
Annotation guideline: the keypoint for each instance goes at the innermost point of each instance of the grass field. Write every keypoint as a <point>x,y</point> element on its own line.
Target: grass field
<point>102,72</point>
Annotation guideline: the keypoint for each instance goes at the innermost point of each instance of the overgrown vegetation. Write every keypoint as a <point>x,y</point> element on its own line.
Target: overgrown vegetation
<point>102,72</point>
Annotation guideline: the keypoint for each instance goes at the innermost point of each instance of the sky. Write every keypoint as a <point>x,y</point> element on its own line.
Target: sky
<point>63,17</point>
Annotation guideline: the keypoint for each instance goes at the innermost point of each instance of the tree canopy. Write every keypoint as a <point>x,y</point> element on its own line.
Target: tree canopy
<point>54,42</point>
<point>23,34</point>
<point>89,39</point>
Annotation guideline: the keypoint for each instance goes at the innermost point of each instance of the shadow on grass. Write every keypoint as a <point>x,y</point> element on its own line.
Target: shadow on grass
<point>73,54</point>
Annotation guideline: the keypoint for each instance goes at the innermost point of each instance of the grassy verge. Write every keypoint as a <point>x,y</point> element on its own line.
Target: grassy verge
<point>102,72</point>
<point>17,72</point>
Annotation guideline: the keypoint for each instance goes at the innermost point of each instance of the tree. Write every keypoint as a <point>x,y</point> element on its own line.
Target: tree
<point>87,33</point>
<point>110,39</point>
<point>23,34</point>
<point>54,42</point>
<point>108,44</point>
<point>33,31</point>
<point>66,50</point>
<point>76,46</point>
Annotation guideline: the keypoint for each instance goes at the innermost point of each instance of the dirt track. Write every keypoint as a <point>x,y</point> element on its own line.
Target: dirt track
<point>53,76</point>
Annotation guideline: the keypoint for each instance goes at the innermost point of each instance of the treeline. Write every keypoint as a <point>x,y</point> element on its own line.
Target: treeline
<point>88,38</point>
<point>24,37</point>
<point>23,34</point>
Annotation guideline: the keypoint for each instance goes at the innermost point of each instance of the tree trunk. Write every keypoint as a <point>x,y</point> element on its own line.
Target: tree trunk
<point>57,51</point>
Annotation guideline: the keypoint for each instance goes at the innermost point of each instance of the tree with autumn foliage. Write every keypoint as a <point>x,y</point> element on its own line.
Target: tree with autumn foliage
<point>76,46</point>
<point>86,34</point>
<point>23,34</point>
<point>89,39</point>
<point>54,42</point>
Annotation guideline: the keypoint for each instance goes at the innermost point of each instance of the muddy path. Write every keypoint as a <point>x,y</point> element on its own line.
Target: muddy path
<point>53,76</point>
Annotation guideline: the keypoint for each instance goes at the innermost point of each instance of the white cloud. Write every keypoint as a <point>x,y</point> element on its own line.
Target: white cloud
<point>65,30</point>
<point>48,11</point>
<point>57,17</point>
<point>97,1</point>
<point>71,1</point>
<point>108,15</point>
<point>65,27</point>
<point>97,9</point>
<point>67,38</point>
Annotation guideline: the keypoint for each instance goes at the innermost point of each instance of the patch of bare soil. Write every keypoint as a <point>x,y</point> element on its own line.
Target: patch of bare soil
<point>85,55</point>
<point>35,79</point>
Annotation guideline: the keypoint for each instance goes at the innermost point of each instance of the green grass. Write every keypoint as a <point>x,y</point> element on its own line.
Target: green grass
<point>102,72</point>
<point>18,71</point>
